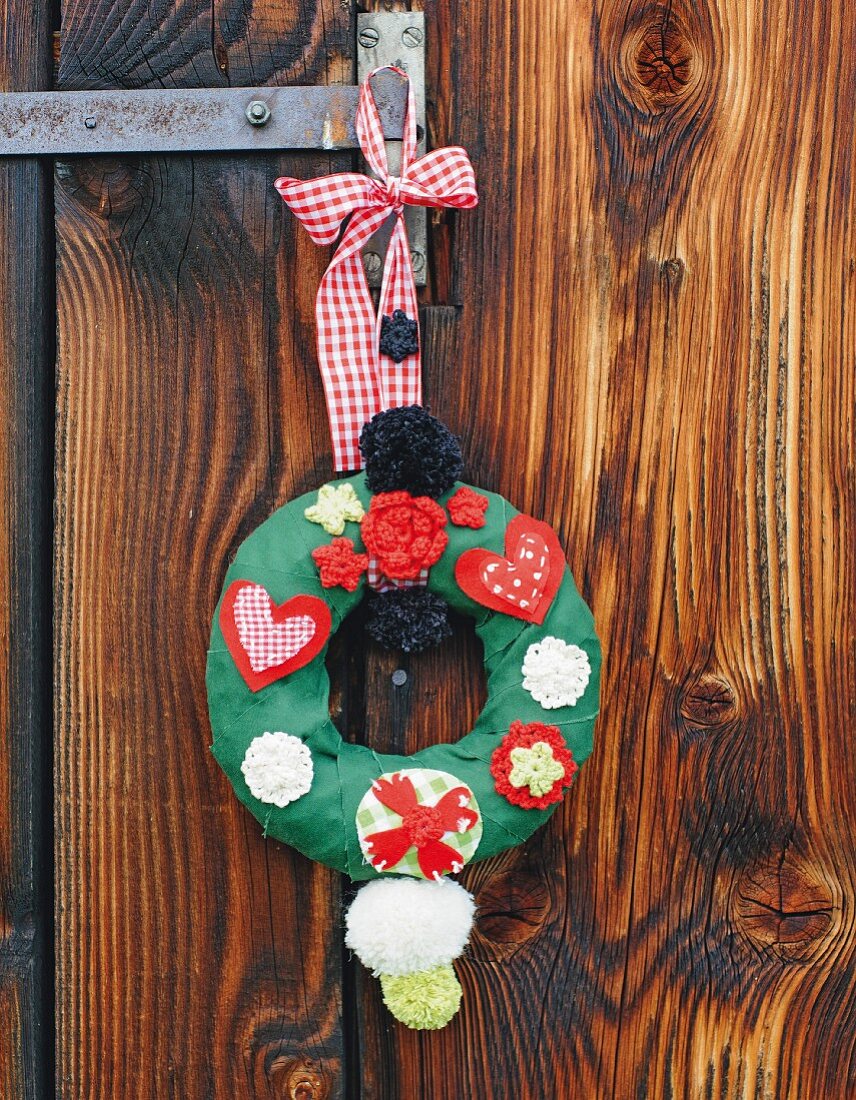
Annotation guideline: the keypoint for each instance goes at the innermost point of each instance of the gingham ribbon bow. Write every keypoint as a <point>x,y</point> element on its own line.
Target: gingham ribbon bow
<point>358,380</point>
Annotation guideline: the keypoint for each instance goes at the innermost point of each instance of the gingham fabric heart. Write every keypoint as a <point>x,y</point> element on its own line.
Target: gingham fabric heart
<point>269,641</point>
<point>266,642</point>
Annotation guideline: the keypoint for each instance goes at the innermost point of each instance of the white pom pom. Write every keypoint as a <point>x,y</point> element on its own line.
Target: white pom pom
<point>397,926</point>
<point>555,673</point>
<point>278,768</point>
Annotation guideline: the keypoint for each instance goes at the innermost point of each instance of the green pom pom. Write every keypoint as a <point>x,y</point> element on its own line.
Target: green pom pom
<point>426,999</point>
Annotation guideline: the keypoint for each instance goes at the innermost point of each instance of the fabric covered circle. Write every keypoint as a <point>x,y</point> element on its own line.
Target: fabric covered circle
<point>368,814</point>
<point>420,822</point>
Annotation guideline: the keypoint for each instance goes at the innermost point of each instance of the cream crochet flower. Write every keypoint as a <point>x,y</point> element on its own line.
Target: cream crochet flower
<point>555,673</point>
<point>336,506</point>
<point>278,768</point>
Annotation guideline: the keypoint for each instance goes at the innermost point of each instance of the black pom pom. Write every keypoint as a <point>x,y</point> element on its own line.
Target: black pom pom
<point>399,336</point>
<point>410,619</point>
<point>410,449</point>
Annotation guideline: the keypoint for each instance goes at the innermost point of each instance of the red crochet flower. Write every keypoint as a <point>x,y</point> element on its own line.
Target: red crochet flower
<point>467,508</point>
<point>502,763</point>
<point>338,565</point>
<point>421,827</point>
<point>404,533</point>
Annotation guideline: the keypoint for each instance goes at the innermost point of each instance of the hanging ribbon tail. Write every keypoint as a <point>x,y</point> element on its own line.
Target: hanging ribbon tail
<point>358,380</point>
<point>347,342</point>
<point>400,383</point>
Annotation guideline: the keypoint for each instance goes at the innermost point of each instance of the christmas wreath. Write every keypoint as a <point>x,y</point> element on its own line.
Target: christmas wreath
<point>407,534</point>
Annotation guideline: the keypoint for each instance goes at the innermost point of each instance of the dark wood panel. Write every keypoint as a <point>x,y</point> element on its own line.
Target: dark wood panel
<point>655,353</point>
<point>26,375</point>
<point>194,959</point>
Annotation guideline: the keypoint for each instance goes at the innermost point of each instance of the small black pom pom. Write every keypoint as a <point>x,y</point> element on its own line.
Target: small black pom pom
<point>408,448</point>
<point>410,619</point>
<point>399,336</point>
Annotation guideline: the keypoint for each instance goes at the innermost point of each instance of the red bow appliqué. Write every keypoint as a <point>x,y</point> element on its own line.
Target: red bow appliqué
<point>422,827</point>
<point>358,380</point>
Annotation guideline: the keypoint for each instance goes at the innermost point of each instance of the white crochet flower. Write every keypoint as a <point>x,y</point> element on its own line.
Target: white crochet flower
<point>278,768</point>
<point>555,673</point>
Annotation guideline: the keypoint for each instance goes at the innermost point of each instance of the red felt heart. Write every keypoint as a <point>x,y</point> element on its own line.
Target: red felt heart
<point>524,583</point>
<point>268,641</point>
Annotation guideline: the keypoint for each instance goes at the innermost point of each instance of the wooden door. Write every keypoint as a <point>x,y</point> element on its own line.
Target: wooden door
<point>645,334</point>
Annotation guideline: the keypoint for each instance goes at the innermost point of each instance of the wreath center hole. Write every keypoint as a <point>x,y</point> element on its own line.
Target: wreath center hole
<point>402,702</point>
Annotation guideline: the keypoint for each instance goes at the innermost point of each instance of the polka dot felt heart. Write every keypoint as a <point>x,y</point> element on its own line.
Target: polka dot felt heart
<point>524,582</point>
<point>269,641</point>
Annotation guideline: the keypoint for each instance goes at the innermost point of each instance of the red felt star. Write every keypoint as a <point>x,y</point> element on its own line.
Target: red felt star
<point>467,508</point>
<point>339,566</point>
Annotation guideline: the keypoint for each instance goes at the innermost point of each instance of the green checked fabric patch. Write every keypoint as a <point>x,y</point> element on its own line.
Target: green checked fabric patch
<point>409,812</point>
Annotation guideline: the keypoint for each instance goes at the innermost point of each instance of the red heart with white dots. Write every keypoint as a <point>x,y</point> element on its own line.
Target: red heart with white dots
<point>268,641</point>
<point>523,583</point>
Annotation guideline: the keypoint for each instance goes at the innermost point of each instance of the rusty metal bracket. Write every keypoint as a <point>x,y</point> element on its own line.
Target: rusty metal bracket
<point>397,38</point>
<point>189,120</point>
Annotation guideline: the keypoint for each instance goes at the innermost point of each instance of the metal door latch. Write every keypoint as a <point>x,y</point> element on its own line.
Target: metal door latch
<point>397,38</point>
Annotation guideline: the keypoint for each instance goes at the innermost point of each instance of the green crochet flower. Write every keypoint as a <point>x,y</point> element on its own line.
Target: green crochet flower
<point>535,768</point>
<point>336,505</point>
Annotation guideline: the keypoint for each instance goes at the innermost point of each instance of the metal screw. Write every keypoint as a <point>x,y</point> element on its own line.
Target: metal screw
<point>417,260</point>
<point>411,37</point>
<point>368,37</point>
<point>373,263</point>
<point>258,112</point>
<point>90,123</point>
<point>399,677</point>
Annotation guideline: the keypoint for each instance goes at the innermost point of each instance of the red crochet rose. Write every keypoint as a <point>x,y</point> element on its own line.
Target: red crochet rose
<point>404,533</point>
<point>502,764</point>
<point>467,508</point>
<point>338,565</point>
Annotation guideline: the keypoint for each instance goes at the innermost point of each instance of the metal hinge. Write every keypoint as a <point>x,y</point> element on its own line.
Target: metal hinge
<point>247,120</point>
<point>188,120</point>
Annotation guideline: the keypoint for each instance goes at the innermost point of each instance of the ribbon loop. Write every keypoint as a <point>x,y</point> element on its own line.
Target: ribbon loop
<point>358,380</point>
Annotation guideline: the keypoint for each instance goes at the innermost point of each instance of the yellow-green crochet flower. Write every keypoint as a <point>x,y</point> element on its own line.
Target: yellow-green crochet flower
<point>337,504</point>
<point>535,768</point>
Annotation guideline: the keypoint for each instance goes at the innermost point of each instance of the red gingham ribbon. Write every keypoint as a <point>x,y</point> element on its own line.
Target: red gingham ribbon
<point>358,380</point>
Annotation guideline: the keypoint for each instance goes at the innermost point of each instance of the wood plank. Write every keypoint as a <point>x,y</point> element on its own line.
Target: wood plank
<point>26,374</point>
<point>195,960</point>
<point>655,354</point>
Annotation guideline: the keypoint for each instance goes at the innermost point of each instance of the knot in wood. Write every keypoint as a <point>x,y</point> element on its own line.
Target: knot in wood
<point>659,57</point>
<point>301,1079</point>
<point>106,187</point>
<point>672,271</point>
<point>663,62</point>
<point>708,703</point>
<point>785,906</point>
<point>512,908</point>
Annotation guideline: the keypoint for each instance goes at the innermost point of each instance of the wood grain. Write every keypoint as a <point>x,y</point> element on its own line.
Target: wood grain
<point>26,373</point>
<point>644,334</point>
<point>655,353</point>
<point>194,959</point>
